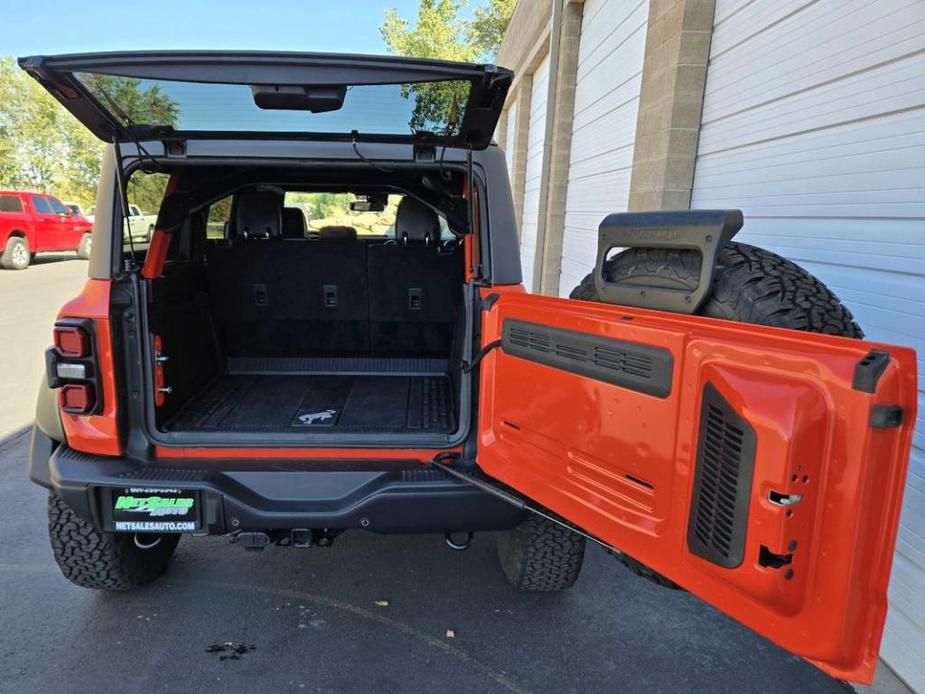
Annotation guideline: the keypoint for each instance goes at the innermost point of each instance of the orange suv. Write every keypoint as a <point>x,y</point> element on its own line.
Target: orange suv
<point>706,410</point>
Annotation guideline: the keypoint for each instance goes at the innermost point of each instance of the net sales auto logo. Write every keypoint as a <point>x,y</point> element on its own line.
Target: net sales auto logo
<point>154,506</point>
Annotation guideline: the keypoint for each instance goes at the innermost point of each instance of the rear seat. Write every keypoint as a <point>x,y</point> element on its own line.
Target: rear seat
<point>294,227</point>
<point>277,293</point>
<point>238,273</point>
<point>322,297</point>
<point>415,287</point>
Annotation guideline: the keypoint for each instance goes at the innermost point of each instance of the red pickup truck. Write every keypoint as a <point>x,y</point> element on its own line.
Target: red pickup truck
<point>31,223</point>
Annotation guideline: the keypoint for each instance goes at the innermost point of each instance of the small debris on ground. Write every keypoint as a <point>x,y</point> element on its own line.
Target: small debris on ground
<point>451,633</point>
<point>382,603</point>
<point>230,650</point>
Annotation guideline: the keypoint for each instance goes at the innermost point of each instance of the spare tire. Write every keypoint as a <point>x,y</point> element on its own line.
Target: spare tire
<point>750,285</point>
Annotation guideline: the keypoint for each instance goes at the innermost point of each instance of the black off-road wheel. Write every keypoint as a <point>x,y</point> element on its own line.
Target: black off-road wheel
<point>539,555</point>
<point>91,558</point>
<point>750,285</point>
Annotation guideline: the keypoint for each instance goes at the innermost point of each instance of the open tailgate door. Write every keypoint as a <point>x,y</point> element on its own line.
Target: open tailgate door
<point>761,469</point>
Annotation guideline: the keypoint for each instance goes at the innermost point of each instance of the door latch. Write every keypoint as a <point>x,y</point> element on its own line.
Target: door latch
<point>784,499</point>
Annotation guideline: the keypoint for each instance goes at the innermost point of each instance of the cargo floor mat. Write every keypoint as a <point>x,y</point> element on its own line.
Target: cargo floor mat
<point>390,403</point>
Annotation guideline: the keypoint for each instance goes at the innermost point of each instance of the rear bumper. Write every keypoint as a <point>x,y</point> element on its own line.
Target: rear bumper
<point>261,495</point>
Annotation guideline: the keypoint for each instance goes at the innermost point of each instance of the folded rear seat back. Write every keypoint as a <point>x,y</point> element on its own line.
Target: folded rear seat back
<point>238,274</point>
<point>322,304</point>
<point>415,287</point>
<point>277,293</point>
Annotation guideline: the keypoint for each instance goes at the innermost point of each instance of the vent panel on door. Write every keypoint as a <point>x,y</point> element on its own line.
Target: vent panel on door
<point>626,364</point>
<point>722,482</point>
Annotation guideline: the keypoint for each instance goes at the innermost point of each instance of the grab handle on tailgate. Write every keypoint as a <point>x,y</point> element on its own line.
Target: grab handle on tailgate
<point>706,231</point>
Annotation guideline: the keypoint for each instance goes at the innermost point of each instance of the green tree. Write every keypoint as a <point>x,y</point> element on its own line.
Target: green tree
<point>37,135</point>
<point>443,33</point>
<point>488,24</point>
<point>43,147</point>
<point>129,96</point>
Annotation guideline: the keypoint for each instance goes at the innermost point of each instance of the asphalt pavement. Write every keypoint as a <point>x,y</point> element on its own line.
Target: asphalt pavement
<point>371,614</point>
<point>29,303</point>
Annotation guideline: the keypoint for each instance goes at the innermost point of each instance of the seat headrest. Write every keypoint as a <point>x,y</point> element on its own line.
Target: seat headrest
<point>416,222</point>
<point>338,233</point>
<point>258,215</point>
<point>293,223</point>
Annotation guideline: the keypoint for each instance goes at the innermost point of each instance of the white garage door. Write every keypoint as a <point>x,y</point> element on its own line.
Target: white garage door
<point>814,125</point>
<point>610,56</point>
<point>536,142</point>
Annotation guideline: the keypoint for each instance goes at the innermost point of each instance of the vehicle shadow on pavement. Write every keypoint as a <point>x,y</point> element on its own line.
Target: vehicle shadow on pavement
<point>52,258</point>
<point>373,613</point>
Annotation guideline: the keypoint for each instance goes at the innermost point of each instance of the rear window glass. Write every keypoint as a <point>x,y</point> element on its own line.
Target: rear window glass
<point>41,205</point>
<point>333,209</point>
<point>10,203</point>
<point>376,109</point>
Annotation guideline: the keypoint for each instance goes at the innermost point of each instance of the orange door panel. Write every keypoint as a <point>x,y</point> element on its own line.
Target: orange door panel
<point>761,469</point>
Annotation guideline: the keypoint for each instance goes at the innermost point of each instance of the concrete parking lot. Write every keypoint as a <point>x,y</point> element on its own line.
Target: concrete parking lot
<point>372,613</point>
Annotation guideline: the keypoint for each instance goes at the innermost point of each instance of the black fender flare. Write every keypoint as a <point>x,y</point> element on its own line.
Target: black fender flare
<point>47,434</point>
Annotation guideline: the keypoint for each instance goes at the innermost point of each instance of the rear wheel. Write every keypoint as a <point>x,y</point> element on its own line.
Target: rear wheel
<point>750,285</point>
<point>539,555</point>
<point>86,244</point>
<point>91,558</point>
<point>16,255</point>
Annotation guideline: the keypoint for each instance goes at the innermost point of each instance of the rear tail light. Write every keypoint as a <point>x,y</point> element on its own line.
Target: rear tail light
<point>77,398</point>
<point>71,341</point>
<point>71,366</point>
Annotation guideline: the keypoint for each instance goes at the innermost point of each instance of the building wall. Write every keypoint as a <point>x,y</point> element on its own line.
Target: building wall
<point>533,175</point>
<point>814,125</point>
<point>608,80</point>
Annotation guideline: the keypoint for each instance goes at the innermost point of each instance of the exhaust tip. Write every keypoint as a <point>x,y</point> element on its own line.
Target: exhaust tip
<point>458,546</point>
<point>147,541</point>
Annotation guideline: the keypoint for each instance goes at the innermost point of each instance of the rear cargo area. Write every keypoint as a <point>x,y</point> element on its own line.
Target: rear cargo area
<point>398,396</point>
<point>317,336</point>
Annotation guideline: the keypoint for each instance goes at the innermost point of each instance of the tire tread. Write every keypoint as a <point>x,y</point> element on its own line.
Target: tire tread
<point>91,558</point>
<point>541,556</point>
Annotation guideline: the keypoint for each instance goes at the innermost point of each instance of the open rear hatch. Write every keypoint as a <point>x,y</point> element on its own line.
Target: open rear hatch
<point>260,95</point>
<point>236,369</point>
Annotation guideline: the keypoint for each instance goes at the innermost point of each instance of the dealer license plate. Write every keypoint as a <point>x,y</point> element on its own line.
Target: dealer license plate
<point>155,510</point>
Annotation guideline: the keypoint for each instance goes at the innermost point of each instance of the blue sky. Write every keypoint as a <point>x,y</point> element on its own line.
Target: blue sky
<point>67,26</point>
